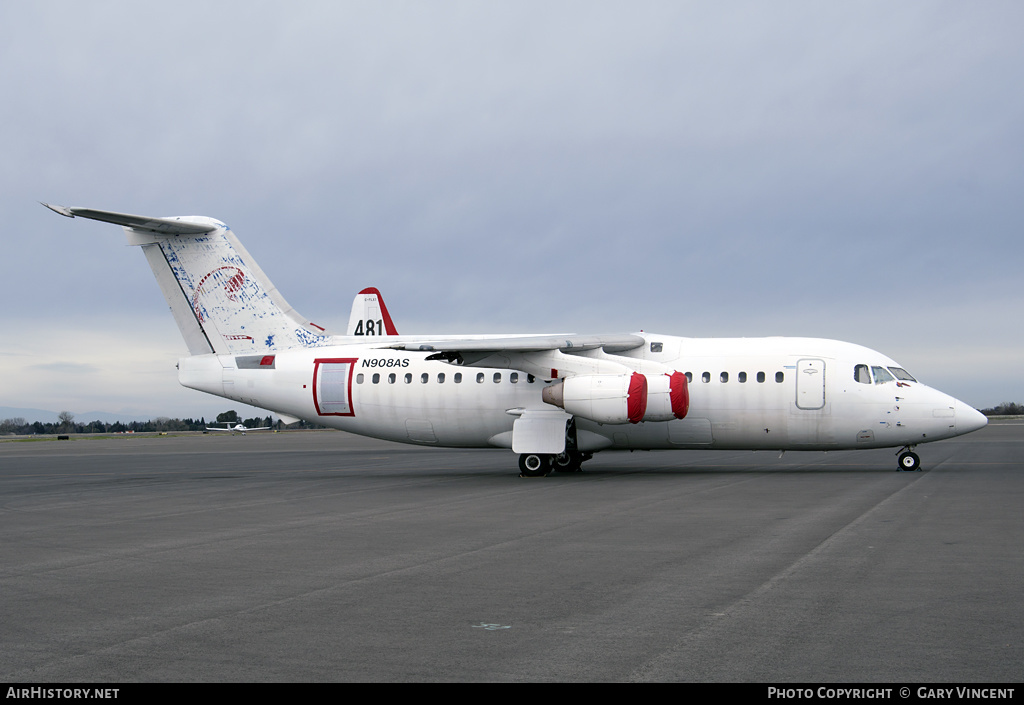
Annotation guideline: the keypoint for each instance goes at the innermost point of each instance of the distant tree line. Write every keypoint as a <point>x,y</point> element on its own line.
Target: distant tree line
<point>66,425</point>
<point>19,426</point>
<point>1007,408</point>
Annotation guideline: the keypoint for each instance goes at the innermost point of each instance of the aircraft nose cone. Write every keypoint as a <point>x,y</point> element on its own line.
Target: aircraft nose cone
<point>968,418</point>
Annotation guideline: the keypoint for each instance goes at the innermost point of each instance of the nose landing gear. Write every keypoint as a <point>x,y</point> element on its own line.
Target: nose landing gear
<point>908,460</point>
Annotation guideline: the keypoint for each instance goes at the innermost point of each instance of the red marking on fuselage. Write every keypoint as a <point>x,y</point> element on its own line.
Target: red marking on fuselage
<point>317,363</point>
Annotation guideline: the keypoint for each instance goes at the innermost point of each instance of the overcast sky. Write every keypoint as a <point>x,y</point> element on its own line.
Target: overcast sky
<point>841,170</point>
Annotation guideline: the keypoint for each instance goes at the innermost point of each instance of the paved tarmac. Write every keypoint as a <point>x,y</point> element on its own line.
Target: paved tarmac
<point>319,556</point>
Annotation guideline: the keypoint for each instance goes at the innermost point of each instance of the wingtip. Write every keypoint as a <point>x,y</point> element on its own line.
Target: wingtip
<point>62,210</point>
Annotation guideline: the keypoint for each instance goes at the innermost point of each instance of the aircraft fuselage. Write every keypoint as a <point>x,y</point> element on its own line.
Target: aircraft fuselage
<point>744,393</point>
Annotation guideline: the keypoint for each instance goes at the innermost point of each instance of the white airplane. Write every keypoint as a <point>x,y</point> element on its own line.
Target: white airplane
<point>553,399</point>
<point>237,428</point>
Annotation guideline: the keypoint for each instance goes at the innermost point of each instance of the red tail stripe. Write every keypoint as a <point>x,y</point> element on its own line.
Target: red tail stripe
<point>389,326</point>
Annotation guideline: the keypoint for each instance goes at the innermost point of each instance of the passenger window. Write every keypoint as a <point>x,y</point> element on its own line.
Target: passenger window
<point>513,378</point>
<point>655,347</point>
<point>376,378</point>
<point>440,377</point>
<point>689,377</point>
<point>480,377</point>
<point>724,377</point>
<point>424,377</point>
<point>706,377</point>
<point>359,378</point>
<point>741,377</point>
<point>391,378</point>
<point>861,374</point>
<point>497,377</point>
<point>779,377</point>
<point>458,378</point>
<point>408,378</point>
<point>881,375</point>
<point>760,377</point>
<point>530,379</point>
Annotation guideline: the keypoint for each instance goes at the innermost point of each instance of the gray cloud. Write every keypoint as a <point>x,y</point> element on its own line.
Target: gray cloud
<point>734,168</point>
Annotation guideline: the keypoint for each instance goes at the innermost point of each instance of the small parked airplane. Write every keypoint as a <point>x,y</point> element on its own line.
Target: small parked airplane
<point>237,428</point>
<point>553,399</point>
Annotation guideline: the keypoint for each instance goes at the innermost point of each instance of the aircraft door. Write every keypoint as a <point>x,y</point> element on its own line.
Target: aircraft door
<point>810,384</point>
<point>332,386</point>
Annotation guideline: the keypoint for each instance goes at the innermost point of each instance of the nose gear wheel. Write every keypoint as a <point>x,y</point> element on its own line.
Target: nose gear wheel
<point>909,461</point>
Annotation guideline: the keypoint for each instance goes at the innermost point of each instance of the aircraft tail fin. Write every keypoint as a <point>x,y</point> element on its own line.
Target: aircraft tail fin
<point>369,315</point>
<point>221,300</point>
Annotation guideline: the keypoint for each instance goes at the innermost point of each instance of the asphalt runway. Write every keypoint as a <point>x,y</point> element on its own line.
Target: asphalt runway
<point>319,556</point>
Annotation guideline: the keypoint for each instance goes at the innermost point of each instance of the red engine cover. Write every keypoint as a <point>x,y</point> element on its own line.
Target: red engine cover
<point>636,406</point>
<point>679,394</point>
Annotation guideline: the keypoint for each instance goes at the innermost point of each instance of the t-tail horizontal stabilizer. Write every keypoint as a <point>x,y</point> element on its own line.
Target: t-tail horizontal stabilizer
<point>164,226</point>
<point>221,300</point>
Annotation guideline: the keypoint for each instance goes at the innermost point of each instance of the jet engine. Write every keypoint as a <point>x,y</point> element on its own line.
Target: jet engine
<point>668,397</point>
<point>625,398</point>
<point>612,399</point>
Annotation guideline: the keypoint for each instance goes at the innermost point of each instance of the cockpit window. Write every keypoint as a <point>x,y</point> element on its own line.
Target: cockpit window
<point>881,376</point>
<point>861,374</point>
<point>902,374</point>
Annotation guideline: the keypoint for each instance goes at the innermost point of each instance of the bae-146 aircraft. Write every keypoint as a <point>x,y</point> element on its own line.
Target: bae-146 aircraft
<point>553,399</point>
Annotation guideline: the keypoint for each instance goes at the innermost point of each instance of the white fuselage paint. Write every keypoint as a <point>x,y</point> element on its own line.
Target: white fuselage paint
<point>817,405</point>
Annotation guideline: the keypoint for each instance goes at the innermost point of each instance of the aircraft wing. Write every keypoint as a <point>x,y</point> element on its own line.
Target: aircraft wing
<point>545,356</point>
<point>525,343</point>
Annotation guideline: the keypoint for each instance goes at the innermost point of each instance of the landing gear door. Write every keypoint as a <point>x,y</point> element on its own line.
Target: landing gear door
<point>540,431</point>
<point>810,384</point>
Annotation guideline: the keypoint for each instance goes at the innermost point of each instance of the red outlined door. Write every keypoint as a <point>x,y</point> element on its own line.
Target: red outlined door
<point>332,386</point>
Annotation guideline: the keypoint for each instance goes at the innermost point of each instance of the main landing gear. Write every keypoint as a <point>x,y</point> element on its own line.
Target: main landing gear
<point>540,464</point>
<point>534,464</point>
<point>908,460</point>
